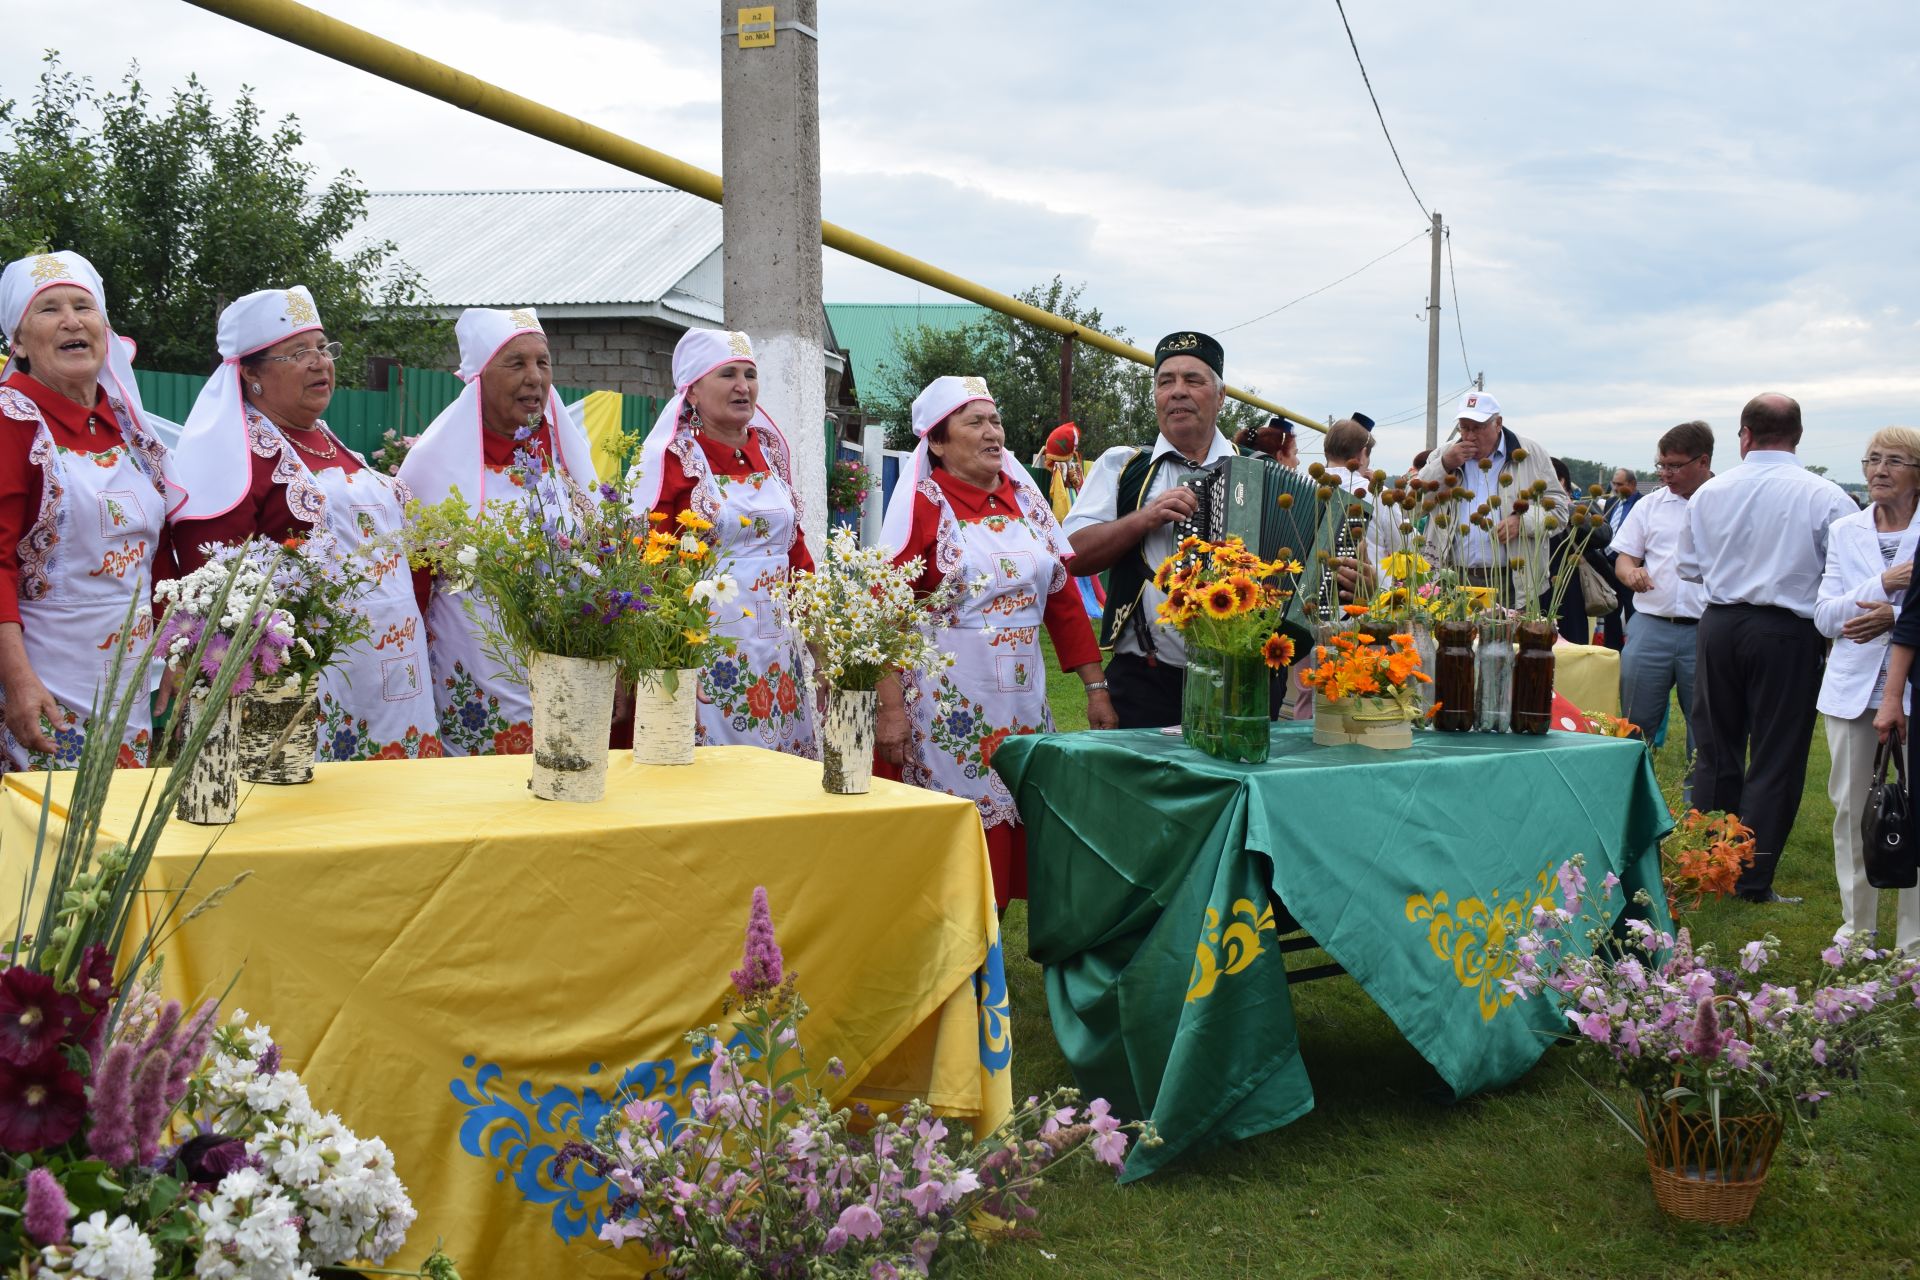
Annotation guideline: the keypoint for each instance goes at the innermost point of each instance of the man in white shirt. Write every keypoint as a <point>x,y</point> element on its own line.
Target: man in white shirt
<point>1757,544</point>
<point>1662,629</point>
<point>1121,522</point>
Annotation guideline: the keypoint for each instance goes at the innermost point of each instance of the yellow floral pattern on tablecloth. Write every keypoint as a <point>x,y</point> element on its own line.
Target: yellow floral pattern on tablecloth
<point>1474,934</point>
<point>1228,950</point>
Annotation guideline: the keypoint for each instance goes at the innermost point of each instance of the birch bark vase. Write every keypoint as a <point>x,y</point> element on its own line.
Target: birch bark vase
<point>277,733</point>
<point>572,716</point>
<point>664,706</point>
<point>846,742</point>
<point>211,794</point>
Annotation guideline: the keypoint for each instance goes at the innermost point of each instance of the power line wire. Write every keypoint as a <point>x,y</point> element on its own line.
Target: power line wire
<point>1365,79</point>
<point>1455,287</point>
<point>1410,414</point>
<point>1323,288</point>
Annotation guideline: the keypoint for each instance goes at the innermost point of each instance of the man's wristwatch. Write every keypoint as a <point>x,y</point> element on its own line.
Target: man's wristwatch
<point>1095,686</point>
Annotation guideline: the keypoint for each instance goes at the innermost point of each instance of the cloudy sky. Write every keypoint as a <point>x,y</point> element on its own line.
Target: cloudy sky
<point>1657,209</point>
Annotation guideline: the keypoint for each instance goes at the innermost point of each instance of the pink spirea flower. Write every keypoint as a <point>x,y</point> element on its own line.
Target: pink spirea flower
<point>111,1138</point>
<point>1704,1040</point>
<point>761,966</point>
<point>47,1209</point>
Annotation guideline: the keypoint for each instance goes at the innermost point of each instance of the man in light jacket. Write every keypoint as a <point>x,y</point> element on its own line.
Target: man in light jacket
<point>1491,463</point>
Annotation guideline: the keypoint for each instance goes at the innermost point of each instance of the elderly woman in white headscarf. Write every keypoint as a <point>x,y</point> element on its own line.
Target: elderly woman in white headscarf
<point>509,405</point>
<point>716,453</point>
<point>255,459</point>
<point>83,502</point>
<point>967,508</point>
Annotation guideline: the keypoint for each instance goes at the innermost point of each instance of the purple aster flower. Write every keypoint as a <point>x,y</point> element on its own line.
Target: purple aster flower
<point>761,965</point>
<point>47,1209</point>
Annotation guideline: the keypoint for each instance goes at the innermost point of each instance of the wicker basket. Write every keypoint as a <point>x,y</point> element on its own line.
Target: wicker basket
<point>1700,1177</point>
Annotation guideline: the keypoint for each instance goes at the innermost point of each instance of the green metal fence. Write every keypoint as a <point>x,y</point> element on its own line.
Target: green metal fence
<point>361,418</point>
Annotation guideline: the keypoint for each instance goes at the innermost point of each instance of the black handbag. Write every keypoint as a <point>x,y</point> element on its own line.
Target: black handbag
<point>1886,828</point>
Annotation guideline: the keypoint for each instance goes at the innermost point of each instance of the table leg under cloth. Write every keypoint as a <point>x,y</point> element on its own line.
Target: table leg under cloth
<point>1154,871</point>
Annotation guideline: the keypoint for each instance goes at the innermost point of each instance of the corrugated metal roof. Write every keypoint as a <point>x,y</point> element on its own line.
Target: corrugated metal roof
<point>546,248</point>
<point>869,331</point>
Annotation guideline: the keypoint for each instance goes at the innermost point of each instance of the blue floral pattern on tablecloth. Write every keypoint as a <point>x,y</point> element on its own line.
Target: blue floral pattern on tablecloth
<point>521,1129</point>
<point>996,1021</point>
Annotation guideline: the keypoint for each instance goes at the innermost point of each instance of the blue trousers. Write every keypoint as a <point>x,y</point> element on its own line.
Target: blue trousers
<point>1658,658</point>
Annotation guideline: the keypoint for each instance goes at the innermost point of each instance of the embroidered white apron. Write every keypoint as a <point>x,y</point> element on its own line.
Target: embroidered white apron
<point>483,710</point>
<point>91,548</point>
<point>375,703</point>
<point>760,695</point>
<point>997,685</point>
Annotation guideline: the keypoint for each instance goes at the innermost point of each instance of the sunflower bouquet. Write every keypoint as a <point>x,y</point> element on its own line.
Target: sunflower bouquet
<point>1222,597</point>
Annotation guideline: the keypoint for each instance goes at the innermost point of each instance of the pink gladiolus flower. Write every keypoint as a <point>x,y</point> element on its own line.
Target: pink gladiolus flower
<point>1753,955</point>
<point>1820,1051</point>
<point>860,1222</point>
<point>836,1240</point>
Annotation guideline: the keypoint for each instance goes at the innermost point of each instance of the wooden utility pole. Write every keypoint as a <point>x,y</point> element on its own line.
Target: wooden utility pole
<point>1433,339</point>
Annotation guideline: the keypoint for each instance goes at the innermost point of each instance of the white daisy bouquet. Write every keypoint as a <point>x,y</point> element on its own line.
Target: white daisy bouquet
<point>861,617</point>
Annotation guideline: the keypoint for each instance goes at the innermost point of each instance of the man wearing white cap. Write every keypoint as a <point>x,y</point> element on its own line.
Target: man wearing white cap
<point>256,461</point>
<point>968,510</point>
<point>715,452</point>
<point>1493,465</point>
<point>469,450</point>
<point>82,509</point>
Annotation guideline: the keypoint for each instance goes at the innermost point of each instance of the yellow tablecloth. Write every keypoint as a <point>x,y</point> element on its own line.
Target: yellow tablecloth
<point>1588,676</point>
<point>469,972</point>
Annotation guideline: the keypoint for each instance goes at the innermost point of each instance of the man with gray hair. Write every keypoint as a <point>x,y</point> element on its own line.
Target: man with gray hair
<point>1122,522</point>
<point>1757,543</point>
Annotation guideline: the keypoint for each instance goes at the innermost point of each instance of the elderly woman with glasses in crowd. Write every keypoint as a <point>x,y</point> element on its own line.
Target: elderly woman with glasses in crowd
<point>1866,608</point>
<point>964,506</point>
<point>255,460</point>
<point>83,501</point>
<point>509,408</point>
<point>713,451</point>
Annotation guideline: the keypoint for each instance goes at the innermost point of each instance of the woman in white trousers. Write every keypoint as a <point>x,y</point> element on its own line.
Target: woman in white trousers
<point>1869,567</point>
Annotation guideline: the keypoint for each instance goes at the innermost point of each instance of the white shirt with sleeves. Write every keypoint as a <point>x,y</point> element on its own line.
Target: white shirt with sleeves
<point>1098,503</point>
<point>1758,534</point>
<point>1652,534</point>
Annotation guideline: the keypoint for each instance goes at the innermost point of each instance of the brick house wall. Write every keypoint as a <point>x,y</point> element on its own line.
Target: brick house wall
<point>606,353</point>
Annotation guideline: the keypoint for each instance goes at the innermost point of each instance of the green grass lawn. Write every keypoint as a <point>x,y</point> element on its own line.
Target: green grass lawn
<point>1380,1179</point>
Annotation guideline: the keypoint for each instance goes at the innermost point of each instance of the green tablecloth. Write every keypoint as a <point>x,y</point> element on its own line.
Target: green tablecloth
<point>1153,870</point>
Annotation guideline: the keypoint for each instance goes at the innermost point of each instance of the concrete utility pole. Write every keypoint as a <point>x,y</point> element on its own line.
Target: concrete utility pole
<point>1433,340</point>
<point>770,172</point>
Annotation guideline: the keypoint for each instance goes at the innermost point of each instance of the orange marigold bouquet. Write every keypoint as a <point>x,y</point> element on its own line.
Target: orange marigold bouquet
<point>1221,596</point>
<point>1704,857</point>
<point>1353,664</point>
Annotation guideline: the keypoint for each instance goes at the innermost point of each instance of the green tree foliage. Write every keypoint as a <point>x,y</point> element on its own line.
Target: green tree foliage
<point>183,208</point>
<point>1112,397</point>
